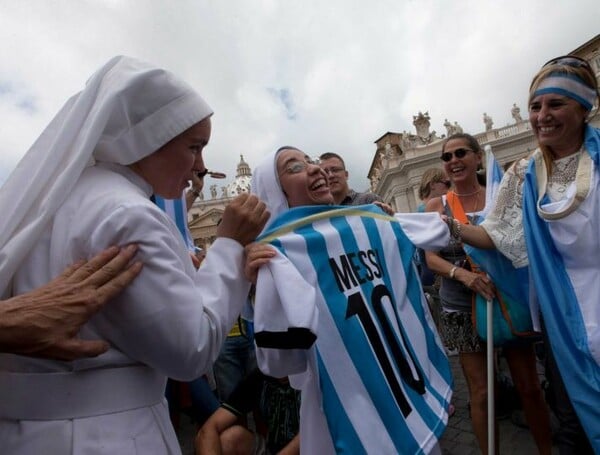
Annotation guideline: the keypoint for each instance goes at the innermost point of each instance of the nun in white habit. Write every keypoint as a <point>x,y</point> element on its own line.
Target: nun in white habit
<point>286,297</point>
<point>135,130</point>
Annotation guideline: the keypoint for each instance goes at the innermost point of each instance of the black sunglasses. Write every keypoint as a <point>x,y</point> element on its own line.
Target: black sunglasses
<point>458,153</point>
<point>569,60</point>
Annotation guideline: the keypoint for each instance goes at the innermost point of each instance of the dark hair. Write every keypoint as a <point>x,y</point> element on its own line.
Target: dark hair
<point>329,155</point>
<point>467,137</point>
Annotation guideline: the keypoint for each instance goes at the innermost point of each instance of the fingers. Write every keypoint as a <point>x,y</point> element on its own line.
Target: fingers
<point>253,204</point>
<point>259,215</point>
<point>100,272</point>
<point>74,348</point>
<point>195,261</point>
<point>115,285</point>
<point>385,207</point>
<point>83,269</point>
<point>197,181</point>
<point>256,250</point>
<point>243,219</point>
<point>69,271</point>
<point>257,255</point>
<point>482,285</point>
<point>255,209</point>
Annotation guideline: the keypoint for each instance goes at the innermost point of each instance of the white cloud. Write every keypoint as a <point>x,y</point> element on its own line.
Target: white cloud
<point>352,69</point>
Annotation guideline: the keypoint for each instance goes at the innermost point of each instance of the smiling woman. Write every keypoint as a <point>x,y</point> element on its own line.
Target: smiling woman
<point>547,217</point>
<point>461,282</point>
<point>302,179</point>
<point>340,311</point>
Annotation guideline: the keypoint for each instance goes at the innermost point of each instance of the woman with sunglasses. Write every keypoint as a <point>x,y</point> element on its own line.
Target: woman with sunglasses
<point>547,217</point>
<point>462,157</point>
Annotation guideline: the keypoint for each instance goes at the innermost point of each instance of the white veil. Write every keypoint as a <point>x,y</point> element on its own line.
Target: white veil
<point>265,184</point>
<point>127,110</point>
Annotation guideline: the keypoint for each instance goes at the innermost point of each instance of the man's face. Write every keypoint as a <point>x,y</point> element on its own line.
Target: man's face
<point>302,182</point>
<point>338,178</point>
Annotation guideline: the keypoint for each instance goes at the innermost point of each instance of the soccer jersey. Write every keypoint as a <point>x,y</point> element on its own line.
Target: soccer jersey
<point>376,379</point>
<point>177,211</point>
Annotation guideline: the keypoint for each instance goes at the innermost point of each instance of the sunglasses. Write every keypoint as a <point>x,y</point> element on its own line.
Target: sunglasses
<point>569,60</point>
<point>458,153</point>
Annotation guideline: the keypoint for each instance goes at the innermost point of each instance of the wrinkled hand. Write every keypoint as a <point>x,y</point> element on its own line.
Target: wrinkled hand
<point>45,322</point>
<point>243,219</point>
<point>477,282</point>
<point>387,208</point>
<point>257,255</point>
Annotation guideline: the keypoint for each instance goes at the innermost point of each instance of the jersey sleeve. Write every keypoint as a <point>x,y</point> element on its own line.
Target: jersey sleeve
<point>285,318</point>
<point>424,230</point>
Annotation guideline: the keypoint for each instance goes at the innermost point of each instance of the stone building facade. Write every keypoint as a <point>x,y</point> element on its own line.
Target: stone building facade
<point>401,158</point>
<point>399,161</point>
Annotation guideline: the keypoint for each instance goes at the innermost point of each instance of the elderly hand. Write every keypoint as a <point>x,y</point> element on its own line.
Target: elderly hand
<point>257,255</point>
<point>45,322</point>
<point>243,219</point>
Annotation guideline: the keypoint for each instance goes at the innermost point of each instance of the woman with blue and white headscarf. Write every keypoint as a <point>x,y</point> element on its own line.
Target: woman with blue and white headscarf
<point>547,217</point>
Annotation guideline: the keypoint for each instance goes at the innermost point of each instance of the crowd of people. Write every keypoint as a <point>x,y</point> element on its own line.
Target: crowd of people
<point>103,301</point>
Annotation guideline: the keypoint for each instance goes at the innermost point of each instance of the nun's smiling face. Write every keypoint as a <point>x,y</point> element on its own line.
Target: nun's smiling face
<point>303,181</point>
<point>170,168</point>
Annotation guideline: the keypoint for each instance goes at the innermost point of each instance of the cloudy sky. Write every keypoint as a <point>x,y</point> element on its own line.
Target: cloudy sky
<point>323,75</point>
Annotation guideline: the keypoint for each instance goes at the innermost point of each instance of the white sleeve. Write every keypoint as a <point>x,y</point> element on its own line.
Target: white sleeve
<point>425,230</point>
<point>285,318</point>
<point>504,224</point>
<point>171,317</point>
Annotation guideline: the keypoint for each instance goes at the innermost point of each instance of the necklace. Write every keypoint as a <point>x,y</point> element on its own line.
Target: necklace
<point>476,206</point>
<point>583,180</point>
<point>474,203</point>
<point>468,194</point>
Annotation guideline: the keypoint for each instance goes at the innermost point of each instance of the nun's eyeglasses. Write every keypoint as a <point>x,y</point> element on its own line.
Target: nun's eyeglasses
<point>297,166</point>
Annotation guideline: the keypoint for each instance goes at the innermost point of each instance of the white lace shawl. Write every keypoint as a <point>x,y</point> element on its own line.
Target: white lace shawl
<point>505,222</point>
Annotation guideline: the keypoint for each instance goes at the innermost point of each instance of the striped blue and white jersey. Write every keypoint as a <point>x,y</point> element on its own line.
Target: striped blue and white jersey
<point>376,380</point>
<point>177,211</point>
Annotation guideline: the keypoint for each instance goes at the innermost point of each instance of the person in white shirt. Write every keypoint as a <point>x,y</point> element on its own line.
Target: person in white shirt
<point>135,130</point>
